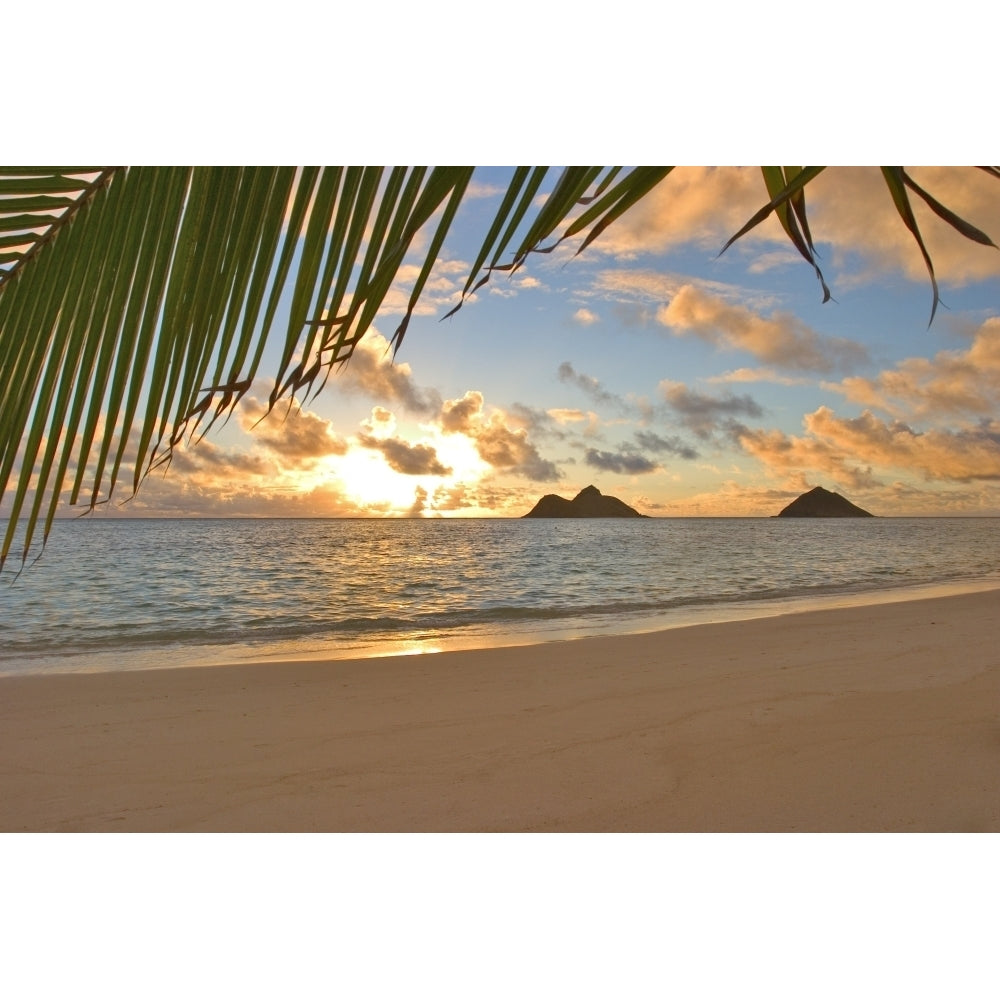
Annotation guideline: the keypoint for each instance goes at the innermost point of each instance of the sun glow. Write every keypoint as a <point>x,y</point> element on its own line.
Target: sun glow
<point>369,480</point>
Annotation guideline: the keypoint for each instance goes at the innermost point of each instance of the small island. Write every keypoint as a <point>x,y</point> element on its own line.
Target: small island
<point>819,502</point>
<point>589,502</point>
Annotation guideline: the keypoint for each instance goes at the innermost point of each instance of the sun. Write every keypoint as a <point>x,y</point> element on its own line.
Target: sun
<point>366,477</point>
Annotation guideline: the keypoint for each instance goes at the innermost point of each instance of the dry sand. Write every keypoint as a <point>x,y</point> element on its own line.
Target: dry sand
<point>874,718</point>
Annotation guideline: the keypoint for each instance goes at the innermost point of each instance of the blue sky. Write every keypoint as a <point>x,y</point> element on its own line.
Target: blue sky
<point>683,382</point>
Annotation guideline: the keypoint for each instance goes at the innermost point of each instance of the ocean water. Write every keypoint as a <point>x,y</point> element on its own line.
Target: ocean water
<point>125,594</point>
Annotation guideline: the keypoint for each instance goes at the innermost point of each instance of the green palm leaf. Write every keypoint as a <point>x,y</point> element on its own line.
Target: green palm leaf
<point>141,299</point>
<point>136,302</point>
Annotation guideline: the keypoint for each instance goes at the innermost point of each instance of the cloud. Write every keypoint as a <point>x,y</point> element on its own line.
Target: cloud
<point>419,502</point>
<point>673,445</point>
<point>733,499</point>
<point>786,454</point>
<point>381,423</point>
<point>503,448</point>
<point>702,414</point>
<point>548,424</point>
<point>851,448</point>
<point>587,383</point>
<point>630,406</point>
<point>764,262</point>
<point>585,317</point>
<point>904,499</point>
<point>209,460</point>
<point>458,416</point>
<point>292,433</point>
<point>757,375</point>
<point>442,289</point>
<point>498,444</point>
<point>565,417</point>
<point>568,415</point>
<point>372,372</point>
<point>271,478</point>
<point>623,462</point>
<point>703,206</point>
<point>782,340</point>
<point>737,499</point>
<point>408,459</point>
<point>952,383</point>
<point>851,208</point>
<point>638,292</point>
<point>508,286</point>
<point>197,496</point>
<point>457,496</point>
<point>210,481</point>
<point>480,189</point>
<point>962,455</point>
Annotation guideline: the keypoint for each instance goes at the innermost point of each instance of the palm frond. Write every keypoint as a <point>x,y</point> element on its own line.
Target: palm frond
<point>896,181</point>
<point>136,302</point>
<point>786,187</point>
<point>140,300</point>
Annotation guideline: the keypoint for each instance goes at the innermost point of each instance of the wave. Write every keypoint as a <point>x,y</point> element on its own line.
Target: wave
<point>280,628</point>
<point>280,583</point>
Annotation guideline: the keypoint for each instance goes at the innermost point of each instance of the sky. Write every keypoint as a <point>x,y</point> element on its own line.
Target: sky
<point>685,382</point>
<point>727,374</point>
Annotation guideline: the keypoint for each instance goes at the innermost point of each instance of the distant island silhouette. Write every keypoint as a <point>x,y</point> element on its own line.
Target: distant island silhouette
<point>589,502</point>
<point>819,502</point>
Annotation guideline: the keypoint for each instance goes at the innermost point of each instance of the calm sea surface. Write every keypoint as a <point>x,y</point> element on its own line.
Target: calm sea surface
<point>144,593</point>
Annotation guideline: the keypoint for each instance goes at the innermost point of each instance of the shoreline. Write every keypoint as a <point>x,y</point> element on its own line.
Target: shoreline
<point>483,636</point>
<point>877,716</point>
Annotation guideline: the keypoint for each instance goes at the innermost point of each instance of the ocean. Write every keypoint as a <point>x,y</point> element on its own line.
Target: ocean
<point>125,594</point>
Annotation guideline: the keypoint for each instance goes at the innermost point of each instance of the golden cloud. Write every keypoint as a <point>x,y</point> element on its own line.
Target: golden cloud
<point>936,454</point>
<point>952,383</point>
<point>848,449</point>
<point>498,444</point>
<point>459,415</point>
<point>405,458</point>
<point>293,434</point>
<point>699,205</point>
<point>757,375</point>
<point>211,481</point>
<point>781,340</point>
<point>381,423</point>
<point>510,450</point>
<point>851,208</point>
<point>442,290</point>
<point>568,416</point>
<point>371,371</point>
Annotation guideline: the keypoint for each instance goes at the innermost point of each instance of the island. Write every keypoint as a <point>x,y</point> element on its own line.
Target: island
<point>819,502</point>
<point>589,502</point>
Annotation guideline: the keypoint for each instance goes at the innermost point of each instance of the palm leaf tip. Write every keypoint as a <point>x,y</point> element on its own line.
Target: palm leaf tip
<point>956,222</point>
<point>786,187</point>
<point>895,179</point>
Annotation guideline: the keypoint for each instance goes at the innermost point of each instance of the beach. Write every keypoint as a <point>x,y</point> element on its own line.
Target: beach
<point>871,718</point>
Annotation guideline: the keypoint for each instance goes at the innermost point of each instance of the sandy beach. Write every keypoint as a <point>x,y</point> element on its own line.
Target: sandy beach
<point>877,718</point>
